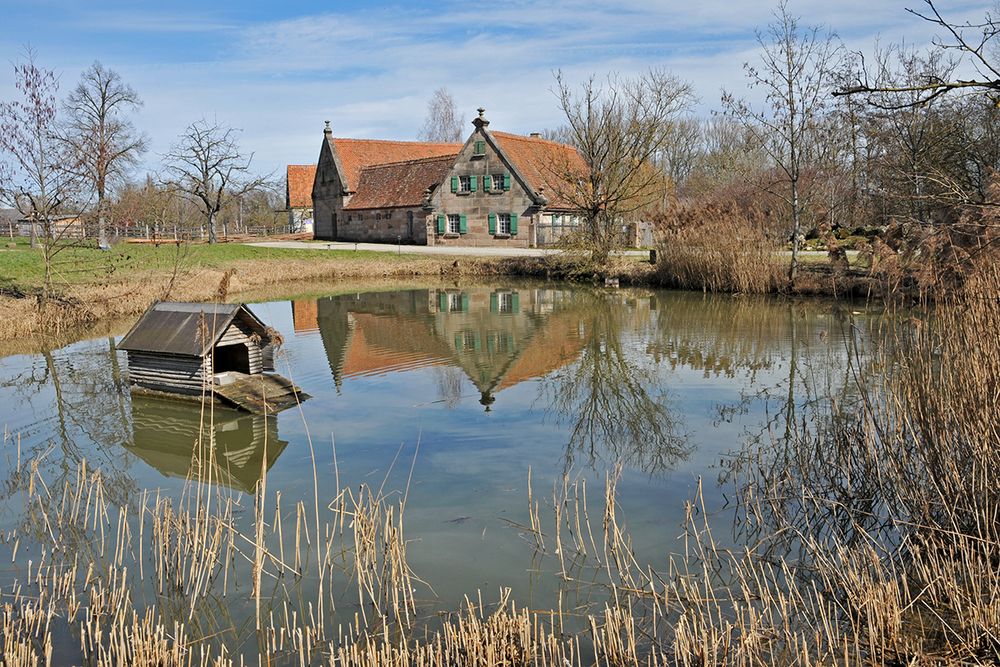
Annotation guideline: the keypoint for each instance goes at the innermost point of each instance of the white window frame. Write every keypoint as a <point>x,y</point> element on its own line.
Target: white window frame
<point>497,182</point>
<point>503,224</point>
<point>454,224</point>
<point>505,302</point>
<point>465,184</point>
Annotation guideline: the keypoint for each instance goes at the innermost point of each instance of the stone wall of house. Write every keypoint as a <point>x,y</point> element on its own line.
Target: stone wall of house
<point>391,225</point>
<point>478,205</point>
<point>327,194</point>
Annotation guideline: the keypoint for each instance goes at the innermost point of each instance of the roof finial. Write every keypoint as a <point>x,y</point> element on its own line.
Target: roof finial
<point>481,120</point>
<point>326,129</point>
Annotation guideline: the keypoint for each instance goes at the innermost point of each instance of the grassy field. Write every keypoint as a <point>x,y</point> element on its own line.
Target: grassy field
<point>22,269</point>
<point>91,285</point>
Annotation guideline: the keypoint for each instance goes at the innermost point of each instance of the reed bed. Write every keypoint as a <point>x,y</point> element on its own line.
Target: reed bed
<point>717,248</point>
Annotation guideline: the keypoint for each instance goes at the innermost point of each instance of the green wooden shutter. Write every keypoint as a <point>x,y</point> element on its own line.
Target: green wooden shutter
<point>487,183</point>
<point>458,342</point>
<point>463,225</point>
<point>506,181</point>
<point>473,183</point>
<point>480,147</point>
<point>494,303</point>
<point>465,302</point>
<point>442,301</point>
<point>492,223</point>
<point>454,183</point>
<point>477,342</point>
<point>515,302</point>
<point>441,222</point>
<point>513,224</point>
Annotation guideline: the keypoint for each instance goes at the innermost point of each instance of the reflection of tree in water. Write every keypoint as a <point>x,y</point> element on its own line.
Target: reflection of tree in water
<point>609,396</point>
<point>86,419</point>
<point>796,474</point>
<point>449,380</point>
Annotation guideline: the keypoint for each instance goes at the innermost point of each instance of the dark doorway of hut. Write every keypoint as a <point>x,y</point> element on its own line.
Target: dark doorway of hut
<point>219,350</point>
<point>231,358</point>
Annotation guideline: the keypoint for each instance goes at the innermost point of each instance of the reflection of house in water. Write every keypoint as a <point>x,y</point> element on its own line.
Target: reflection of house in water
<point>304,317</point>
<point>497,337</point>
<point>165,434</point>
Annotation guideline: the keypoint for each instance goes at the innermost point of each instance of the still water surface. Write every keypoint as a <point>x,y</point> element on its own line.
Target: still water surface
<point>472,387</point>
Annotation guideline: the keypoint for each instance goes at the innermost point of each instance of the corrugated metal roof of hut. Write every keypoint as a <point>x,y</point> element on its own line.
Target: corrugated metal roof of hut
<point>173,328</point>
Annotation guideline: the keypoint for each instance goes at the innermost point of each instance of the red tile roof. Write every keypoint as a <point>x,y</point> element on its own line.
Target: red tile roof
<point>300,185</point>
<point>399,183</point>
<point>356,154</point>
<point>544,164</point>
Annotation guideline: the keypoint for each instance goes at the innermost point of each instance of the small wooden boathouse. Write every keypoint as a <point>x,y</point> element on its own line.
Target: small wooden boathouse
<point>217,349</point>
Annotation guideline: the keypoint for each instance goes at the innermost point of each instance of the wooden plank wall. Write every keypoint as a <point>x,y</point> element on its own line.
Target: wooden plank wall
<point>239,333</point>
<point>166,372</point>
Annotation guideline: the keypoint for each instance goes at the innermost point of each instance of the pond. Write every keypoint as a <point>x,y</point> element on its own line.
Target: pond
<point>447,399</point>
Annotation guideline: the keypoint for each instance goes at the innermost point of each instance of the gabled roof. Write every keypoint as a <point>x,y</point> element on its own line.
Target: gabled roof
<point>356,154</point>
<point>399,183</point>
<point>298,193</point>
<point>544,164</point>
<point>170,327</point>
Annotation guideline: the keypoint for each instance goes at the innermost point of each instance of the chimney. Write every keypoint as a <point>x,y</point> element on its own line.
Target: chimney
<point>535,135</point>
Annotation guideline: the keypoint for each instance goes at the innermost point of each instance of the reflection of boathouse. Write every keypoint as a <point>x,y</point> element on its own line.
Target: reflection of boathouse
<point>168,435</point>
<point>497,337</point>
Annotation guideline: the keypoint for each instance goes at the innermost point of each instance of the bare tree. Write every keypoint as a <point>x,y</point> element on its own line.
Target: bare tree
<point>443,122</point>
<point>796,74</point>
<point>973,42</point>
<point>39,177</point>
<point>100,135</point>
<point>619,128</point>
<point>206,167</point>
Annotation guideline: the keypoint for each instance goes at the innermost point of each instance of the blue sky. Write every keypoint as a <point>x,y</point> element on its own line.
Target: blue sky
<point>277,70</point>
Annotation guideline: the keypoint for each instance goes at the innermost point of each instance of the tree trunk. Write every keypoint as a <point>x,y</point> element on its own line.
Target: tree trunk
<point>793,266</point>
<point>212,238</point>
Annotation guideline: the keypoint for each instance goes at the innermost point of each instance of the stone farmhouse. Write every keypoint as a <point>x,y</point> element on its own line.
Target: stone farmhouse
<point>298,197</point>
<point>495,189</point>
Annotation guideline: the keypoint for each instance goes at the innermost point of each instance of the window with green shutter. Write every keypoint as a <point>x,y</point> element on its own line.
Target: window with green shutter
<point>513,224</point>
<point>442,302</point>
<point>454,183</point>
<point>441,223</point>
<point>492,221</point>
<point>503,224</point>
<point>473,183</point>
<point>487,182</point>
<point>479,148</point>
<point>463,225</point>
<point>506,181</point>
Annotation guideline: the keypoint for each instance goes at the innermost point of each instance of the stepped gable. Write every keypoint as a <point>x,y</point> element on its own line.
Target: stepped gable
<point>356,154</point>
<point>544,164</point>
<point>298,192</point>
<point>398,184</point>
